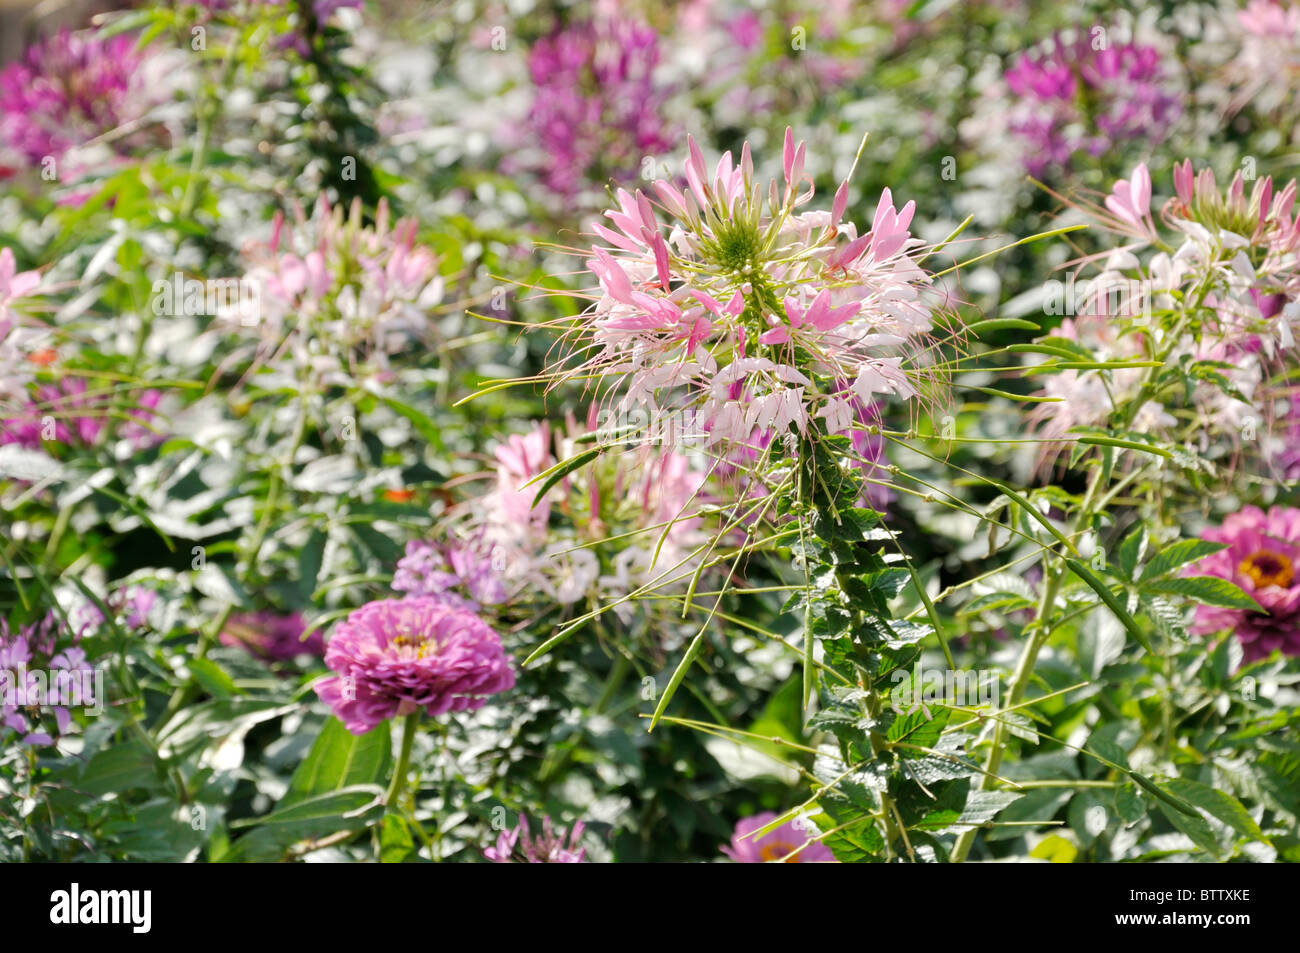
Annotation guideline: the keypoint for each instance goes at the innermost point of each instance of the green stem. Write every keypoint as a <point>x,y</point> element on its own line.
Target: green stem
<point>398,785</point>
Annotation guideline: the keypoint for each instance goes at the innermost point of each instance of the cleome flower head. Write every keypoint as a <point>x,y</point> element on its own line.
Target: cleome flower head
<point>35,708</point>
<point>1081,96</point>
<point>72,87</point>
<point>552,846</point>
<point>748,309</point>
<point>394,657</point>
<point>596,106</point>
<point>340,293</point>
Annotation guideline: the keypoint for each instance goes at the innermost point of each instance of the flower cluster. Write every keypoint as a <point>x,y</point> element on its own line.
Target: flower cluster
<point>596,110</point>
<point>43,671</point>
<point>335,293</point>
<point>552,846</point>
<point>18,344</point>
<point>71,88</point>
<point>1262,556</point>
<point>70,413</point>
<point>398,656</point>
<point>1264,58</point>
<point>758,315</point>
<point>621,524</point>
<point>1086,95</point>
<point>1229,269</point>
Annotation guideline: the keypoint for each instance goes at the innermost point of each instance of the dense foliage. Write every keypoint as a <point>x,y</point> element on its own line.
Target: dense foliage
<point>559,432</point>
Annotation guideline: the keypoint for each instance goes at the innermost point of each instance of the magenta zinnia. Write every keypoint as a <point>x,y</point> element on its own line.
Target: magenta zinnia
<point>1263,558</point>
<point>398,656</point>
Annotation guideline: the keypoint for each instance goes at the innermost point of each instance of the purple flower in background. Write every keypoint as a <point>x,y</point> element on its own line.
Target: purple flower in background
<point>61,413</point>
<point>70,88</point>
<point>778,844</point>
<point>130,606</point>
<point>870,448</point>
<point>398,656</point>
<point>1074,98</point>
<point>273,636</point>
<point>596,108</point>
<point>552,846</point>
<point>438,570</point>
<point>1262,557</point>
<point>42,670</point>
<point>69,413</point>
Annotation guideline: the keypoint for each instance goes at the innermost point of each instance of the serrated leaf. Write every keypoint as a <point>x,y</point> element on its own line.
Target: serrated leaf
<point>1210,591</point>
<point>1218,804</point>
<point>1179,554</point>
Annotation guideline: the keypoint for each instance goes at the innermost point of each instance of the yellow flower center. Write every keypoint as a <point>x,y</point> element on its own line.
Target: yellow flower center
<point>1267,568</point>
<point>776,850</point>
<point>420,644</point>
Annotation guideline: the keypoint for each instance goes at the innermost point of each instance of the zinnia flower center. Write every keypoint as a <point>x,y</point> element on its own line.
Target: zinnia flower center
<point>775,850</point>
<point>418,644</point>
<point>1267,568</point>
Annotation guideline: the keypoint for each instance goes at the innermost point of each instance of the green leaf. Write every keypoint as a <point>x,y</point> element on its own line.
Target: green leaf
<point>309,564</point>
<point>1179,554</point>
<point>1210,591</point>
<point>1194,827</point>
<point>1218,804</point>
<point>427,428</point>
<point>395,843</point>
<point>342,806</point>
<point>213,678</point>
<point>679,673</point>
<point>1132,549</point>
<point>1113,604</point>
<point>340,759</point>
<point>120,768</point>
<point>1001,324</point>
<point>916,728</point>
<point>555,474</point>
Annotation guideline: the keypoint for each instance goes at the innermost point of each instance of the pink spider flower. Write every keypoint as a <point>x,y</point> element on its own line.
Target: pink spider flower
<point>552,846</point>
<point>340,290</point>
<point>743,290</point>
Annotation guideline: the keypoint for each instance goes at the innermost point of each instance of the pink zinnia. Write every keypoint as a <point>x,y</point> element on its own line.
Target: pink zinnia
<point>397,656</point>
<point>1262,557</point>
<point>778,844</point>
